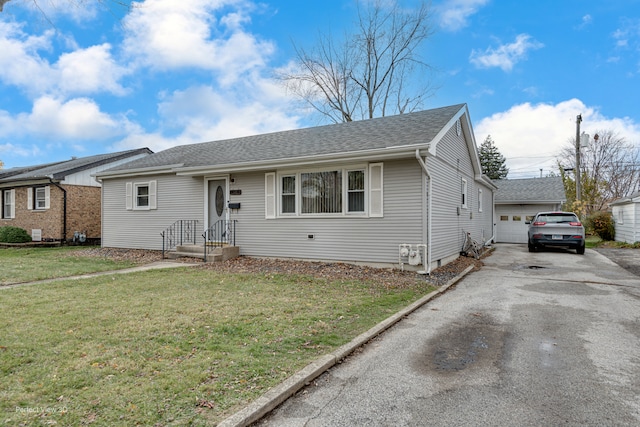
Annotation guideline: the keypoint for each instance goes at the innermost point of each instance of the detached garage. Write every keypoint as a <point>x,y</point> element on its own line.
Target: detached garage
<point>518,200</point>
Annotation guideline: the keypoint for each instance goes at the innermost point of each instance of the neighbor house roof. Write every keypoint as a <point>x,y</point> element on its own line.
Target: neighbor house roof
<point>530,191</point>
<point>632,198</point>
<point>382,136</point>
<point>59,170</point>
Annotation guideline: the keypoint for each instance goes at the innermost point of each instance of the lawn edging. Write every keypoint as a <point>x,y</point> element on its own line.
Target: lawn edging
<point>278,394</point>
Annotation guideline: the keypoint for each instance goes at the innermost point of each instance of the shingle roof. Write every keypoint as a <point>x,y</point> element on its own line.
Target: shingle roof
<point>384,132</point>
<point>530,190</point>
<point>61,169</point>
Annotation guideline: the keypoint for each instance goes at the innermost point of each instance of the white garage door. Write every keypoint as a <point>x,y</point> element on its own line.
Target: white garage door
<point>510,219</point>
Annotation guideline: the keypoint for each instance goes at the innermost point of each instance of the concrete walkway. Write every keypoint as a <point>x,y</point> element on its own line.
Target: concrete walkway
<point>153,266</point>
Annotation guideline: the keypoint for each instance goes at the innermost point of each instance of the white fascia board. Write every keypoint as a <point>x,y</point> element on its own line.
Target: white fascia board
<point>153,170</point>
<point>400,152</point>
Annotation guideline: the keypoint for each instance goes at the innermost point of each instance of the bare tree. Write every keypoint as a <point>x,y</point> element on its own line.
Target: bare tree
<point>610,169</point>
<point>375,71</point>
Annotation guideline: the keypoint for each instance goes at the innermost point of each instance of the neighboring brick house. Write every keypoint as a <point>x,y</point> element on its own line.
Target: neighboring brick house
<point>58,201</point>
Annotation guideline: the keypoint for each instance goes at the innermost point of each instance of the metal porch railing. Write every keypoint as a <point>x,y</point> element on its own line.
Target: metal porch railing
<point>180,232</point>
<point>220,234</point>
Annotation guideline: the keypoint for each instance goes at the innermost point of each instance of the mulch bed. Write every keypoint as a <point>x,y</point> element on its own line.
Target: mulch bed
<point>387,277</point>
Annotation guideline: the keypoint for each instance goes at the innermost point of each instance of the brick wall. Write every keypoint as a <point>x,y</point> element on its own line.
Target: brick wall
<point>48,220</point>
<point>83,212</point>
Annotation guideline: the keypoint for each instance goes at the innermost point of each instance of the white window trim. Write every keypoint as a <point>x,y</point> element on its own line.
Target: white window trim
<point>479,199</point>
<point>464,194</point>
<point>131,195</point>
<point>273,201</point>
<point>12,208</point>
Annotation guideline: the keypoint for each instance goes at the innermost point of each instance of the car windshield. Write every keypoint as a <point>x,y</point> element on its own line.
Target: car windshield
<point>557,218</point>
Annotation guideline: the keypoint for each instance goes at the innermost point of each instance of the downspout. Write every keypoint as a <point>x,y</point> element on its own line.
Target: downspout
<point>64,210</point>
<point>429,206</point>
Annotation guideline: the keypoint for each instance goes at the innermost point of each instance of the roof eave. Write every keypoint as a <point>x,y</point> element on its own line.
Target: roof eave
<point>151,170</point>
<point>399,152</point>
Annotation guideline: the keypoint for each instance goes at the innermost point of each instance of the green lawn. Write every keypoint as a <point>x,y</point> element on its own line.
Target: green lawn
<point>183,346</point>
<point>18,265</point>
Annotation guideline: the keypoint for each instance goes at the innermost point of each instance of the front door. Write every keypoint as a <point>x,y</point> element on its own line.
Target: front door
<point>217,208</point>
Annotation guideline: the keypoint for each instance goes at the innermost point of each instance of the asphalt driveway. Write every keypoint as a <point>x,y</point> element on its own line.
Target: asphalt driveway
<point>548,338</point>
<point>627,258</point>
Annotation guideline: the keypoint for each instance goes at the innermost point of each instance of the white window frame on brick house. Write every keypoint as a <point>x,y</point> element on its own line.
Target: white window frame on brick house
<point>8,204</point>
<point>39,198</point>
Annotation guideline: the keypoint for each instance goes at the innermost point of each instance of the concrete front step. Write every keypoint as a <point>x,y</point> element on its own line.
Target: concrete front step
<point>197,251</point>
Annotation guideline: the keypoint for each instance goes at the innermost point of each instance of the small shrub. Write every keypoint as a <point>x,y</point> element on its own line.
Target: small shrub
<point>9,234</point>
<point>602,225</point>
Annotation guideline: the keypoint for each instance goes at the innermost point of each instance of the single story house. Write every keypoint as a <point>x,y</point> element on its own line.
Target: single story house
<point>58,201</point>
<point>518,200</point>
<point>385,191</point>
<point>626,214</point>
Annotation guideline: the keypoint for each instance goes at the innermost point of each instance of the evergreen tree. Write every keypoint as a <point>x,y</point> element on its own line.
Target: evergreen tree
<point>493,163</point>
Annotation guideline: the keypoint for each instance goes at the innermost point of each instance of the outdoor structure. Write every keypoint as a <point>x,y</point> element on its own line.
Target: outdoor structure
<point>58,201</point>
<point>518,200</point>
<point>391,190</point>
<point>626,214</point>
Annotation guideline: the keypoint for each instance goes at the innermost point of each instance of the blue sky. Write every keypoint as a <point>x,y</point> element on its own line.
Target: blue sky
<point>88,77</point>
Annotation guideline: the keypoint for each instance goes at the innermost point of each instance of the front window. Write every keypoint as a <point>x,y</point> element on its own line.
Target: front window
<point>289,194</point>
<point>40,198</point>
<point>355,191</point>
<point>142,196</point>
<point>321,192</point>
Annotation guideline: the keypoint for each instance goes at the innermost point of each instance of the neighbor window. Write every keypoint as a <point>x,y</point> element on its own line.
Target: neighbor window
<point>8,207</point>
<point>38,198</point>
<point>338,191</point>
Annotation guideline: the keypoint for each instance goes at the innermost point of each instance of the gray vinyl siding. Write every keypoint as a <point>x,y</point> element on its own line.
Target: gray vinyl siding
<point>345,238</point>
<point>629,229</point>
<point>178,198</point>
<point>449,219</point>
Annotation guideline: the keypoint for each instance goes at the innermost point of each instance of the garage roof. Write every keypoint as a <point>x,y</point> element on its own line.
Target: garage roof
<point>530,191</point>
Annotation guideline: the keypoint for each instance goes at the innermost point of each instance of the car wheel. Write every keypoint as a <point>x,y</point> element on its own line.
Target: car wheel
<point>532,248</point>
<point>580,250</point>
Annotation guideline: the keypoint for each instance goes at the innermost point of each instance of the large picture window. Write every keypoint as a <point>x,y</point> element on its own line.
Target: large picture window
<point>321,192</point>
<point>353,191</point>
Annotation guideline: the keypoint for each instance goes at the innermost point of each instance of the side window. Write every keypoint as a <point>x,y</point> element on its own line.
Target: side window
<point>355,191</point>
<point>463,191</point>
<point>288,198</point>
<point>141,195</point>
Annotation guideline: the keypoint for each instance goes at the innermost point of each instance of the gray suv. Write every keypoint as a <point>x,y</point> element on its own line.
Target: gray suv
<point>560,229</point>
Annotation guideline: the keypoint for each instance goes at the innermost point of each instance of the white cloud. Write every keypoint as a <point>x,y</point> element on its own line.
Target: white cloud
<point>531,136</point>
<point>166,34</point>
<point>89,70</point>
<point>506,55</point>
<point>200,113</point>
<point>78,118</point>
<point>82,71</point>
<point>454,14</point>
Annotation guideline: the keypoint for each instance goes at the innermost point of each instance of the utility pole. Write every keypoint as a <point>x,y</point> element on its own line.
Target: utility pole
<point>578,183</point>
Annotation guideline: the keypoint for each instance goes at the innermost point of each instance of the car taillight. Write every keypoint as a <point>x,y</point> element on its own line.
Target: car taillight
<point>576,224</point>
<point>539,223</point>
